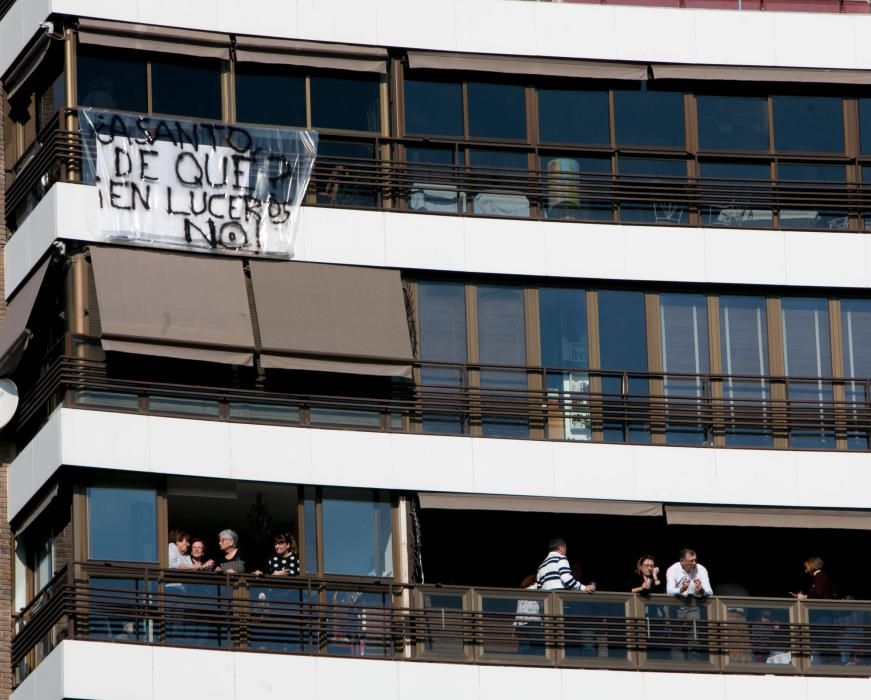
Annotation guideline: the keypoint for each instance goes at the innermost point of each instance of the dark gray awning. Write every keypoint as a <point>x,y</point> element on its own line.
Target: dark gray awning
<point>737,516</point>
<point>538,504</point>
<point>192,307</point>
<point>523,65</point>
<point>146,37</point>
<point>27,64</point>
<point>331,318</point>
<point>14,333</point>
<point>311,54</point>
<point>759,74</point>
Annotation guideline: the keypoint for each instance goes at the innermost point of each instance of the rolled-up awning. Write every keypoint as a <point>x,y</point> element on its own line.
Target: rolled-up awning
<point>759,74</point>
<point>526,65</point>
<point>538,504</point>
<point>14,333</point>
<point>331,318</point>
<point>27,64</point>
<point>737,516</point>
<point>191,307</point>
<point>146,37</point>
<point>312,54</point>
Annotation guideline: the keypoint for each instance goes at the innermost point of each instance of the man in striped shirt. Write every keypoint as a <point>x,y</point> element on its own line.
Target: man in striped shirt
<point>554,573</point>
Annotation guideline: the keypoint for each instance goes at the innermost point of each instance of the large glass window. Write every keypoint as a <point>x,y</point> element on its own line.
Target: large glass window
<point>342,187</point>
<point>660,182</point>
<point>266,95</point>
<point>856,344</point>
<point>430,171</point>
<point>502,341</point>
<point>865,125</point>
<point>357,533</point>
<point>804,123</point>
<point>563,331</point>
<point>115,81</point>
<point>646,117</point>
<point>442,314</point>
<point>578,188</point>
<point>684,329</point>
<point>732,123</point>
<point>807,360</point>
<point>500,178</point>
<point>807,179</point>
<point>724,199</point>
<point>351,103</point>
<point>573,116</point>
<point>192,88</point>
<point>623,354</point>
<point>433,108</point>
<point>122,524</point>
<point>744,355</point>
<point>497,110</point>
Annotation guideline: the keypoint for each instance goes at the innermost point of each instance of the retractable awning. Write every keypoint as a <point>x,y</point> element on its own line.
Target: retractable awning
<point>312,54</point>
<point>191,307</point>
<point>331,318</point>
<point>14,333</point>
<point>146,37</point>
<point>759,74</point>
<point>736,516</point>
<point>538,504</point>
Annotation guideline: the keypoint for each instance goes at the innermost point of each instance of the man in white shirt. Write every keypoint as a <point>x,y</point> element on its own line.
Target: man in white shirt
<point>689,581</point>
<point>687,578</point>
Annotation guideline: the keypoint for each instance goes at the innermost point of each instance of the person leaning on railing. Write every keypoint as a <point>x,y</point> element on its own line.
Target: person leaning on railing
<point>230,561</point>
<point>645,578</point>
<point>179,546</point>
<point>555,573</point>
<point>285,562</point>
<point>199,557</point>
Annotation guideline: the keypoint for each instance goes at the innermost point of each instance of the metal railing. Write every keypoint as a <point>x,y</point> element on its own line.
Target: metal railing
<point>496,400</point>
<point>826,6</point>
<point>381,619</point>
<point>514,193</point>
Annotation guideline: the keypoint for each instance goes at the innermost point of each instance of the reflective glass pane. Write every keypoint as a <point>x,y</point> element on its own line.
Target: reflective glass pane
<point>442,321</point>
<point>757,635</point>
<point>348,163</point>
<point>805,123</point>
<point>856,344</point>
<point>357,534</point>
<point>122,524</point>
<point>666,178</point>
<point>744,354</point>
<point>514,625</point>
<point>112,81</point>
<point>311,531</point>
<point>623,348</point>
<point>807,354</point>
<point>269,96</point>
<point>497,111</point>
<point>192,89</point>
<point>504,404</point>
<point>594,628</point>
<point>865,125</point>
<point>346,103</point>
<point>431,180</point>
<point>807,179</point>
<point>684,329</point>
<point>573,116</point>
<point>563,318</point>
<point>501,325</point>
<point>433,108</point>
<point>577,188</point>
<point>644,117</point>
<point>735,194</point>
<point>732,123</point>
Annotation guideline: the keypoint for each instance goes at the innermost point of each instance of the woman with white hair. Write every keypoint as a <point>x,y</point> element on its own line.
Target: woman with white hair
<point>230,560</point>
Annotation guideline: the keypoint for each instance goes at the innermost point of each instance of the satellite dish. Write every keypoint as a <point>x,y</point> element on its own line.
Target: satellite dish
<point>8,401</point>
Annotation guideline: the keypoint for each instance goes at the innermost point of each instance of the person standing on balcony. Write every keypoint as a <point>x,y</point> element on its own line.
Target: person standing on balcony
<point>230,559</point>
<point>555,573</point>
<point>179,546</point>
<point>688,580</point>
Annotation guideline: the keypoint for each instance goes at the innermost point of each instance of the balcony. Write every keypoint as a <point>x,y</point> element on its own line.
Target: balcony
<point>131,604</point>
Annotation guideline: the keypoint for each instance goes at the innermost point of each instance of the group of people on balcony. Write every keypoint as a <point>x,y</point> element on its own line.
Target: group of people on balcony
<point>188,553</point>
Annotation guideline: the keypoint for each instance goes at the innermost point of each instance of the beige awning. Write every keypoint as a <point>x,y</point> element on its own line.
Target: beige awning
<point>736,516</point>
<point>759,74</point>
<point>14,333</point>
<point>537,504</point>
<point>146,37</point>
<point>20,71</point>
<point>192,307</point>
<point>331,318</point>
<point>311,54</point>
<point>523,65</point>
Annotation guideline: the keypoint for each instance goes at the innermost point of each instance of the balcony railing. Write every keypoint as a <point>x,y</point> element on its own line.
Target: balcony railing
<point>498,401</point>
<point>347,617</point>
<point>511,193</point>
<point>827,6</point>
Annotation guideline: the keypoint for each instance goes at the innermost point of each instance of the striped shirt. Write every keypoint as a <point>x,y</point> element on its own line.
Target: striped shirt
<point>555,573</point>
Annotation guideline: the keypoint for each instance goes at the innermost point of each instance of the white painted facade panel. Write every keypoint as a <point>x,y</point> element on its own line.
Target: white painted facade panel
<point>101,671</point>
<point>285,454</point>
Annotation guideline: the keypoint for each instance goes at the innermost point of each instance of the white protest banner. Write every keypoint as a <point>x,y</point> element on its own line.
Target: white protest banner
<point>172,182</point>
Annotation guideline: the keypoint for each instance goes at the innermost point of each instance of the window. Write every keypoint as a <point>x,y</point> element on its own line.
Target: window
<point>648,117</point>
<point>807,179</point>
<point>856,342</point>
<point>744,351</point>
<point>348,103</point>
<point>573,116</point>
<point>433,108</point>
<point>812,124</point>
<point>357,533</point>
<point>497,111</point>
<point>498,177</point>
<point>577,187</point>
<point>266,95</point>
<point>732,123</point>
<point>122,524</point>
<point>662,179</point>
<point>115,80</point>
<point>723,186</point>
<point>191,88</point>
<point>865,125</point>
<point>344,161</point>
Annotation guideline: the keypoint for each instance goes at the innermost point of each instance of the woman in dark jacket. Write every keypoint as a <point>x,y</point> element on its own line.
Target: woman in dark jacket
<point>645,579</point>
<point>820,588</point>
